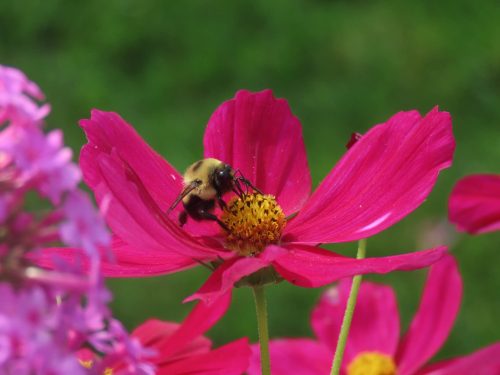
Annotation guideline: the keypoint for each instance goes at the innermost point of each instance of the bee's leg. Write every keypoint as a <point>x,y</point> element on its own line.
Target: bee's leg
<point>221,202</point>
<point>209,216</point>
<point>247,184</point>
<point>237,185</point>
<point>239,177</point>
<point>182,218</point>
<point>237,188</point>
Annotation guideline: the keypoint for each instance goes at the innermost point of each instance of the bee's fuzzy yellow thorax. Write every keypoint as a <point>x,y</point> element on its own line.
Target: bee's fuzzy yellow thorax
<point>372,363</point>
<point>253,221</point>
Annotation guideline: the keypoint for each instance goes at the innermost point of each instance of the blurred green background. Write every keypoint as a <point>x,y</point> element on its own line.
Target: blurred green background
<point>343,66</point>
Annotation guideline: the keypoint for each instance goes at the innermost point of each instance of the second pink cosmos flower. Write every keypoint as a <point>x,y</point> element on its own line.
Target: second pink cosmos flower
<point>382,178</point>
<point>374,345</point>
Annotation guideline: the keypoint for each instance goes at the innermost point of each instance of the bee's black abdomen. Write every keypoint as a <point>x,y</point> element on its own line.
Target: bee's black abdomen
<point>197,208</point>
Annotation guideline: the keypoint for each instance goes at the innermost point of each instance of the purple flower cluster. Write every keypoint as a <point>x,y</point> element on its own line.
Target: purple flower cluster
<point>47,317</point>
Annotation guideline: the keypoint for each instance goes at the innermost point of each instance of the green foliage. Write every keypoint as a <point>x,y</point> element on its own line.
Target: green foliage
<point>343,65</point>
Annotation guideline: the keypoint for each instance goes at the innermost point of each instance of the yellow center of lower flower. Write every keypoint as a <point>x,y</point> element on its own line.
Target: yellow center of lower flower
<point>372,363</point>
<point>254,221</point>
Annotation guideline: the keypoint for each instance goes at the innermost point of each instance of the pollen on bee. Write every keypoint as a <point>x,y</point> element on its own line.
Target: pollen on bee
<point>254,221</point>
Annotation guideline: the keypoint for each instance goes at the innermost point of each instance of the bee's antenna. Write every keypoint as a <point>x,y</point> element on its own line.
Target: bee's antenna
<point>237,188</point>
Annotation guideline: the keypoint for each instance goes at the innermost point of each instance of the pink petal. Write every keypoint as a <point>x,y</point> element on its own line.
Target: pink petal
<point>386,175</point>
<point>258,134</point>
<point>153,333</point>
<point>151,181</point>
<point>485,361</point>
<point>201,318</point>
<point>375,325</point>
<point>294,356</point>
<point>311,267</point>
<point>231,271</point>
<point>127,261</point>
<point>134,216</point>
<point>231,359</point>
<point>435,317</point>
<point>107,132</point>
<point>475,204</point>
<point>154,330</point>
<point>130,261</point>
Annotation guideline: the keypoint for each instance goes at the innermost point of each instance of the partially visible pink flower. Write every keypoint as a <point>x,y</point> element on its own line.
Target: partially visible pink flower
<point>83,227</point>
<point>34,161</point>
<point>46,316</point>
<point>181,349</point>
<point>41,161</point>
<point>17,98</point>
<point>385,175</point>
<point>474,205</point>
<point>123,349</point>
<point>42,326</point>
<point>33,338</point>
<point>374,345</point>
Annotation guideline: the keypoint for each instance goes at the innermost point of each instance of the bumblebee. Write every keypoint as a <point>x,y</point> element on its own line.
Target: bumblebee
<point>205,182</point>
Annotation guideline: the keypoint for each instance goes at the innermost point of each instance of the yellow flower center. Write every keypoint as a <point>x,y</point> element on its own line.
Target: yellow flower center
<point>372,363</point>
<point>253,221</point>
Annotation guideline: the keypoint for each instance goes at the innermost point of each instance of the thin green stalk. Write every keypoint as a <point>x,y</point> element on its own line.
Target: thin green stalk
<point>261,307</point>
<point>349,311</point>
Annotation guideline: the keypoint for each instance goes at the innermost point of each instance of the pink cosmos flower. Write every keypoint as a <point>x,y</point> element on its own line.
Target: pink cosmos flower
<point>474,204</point>
<point>374,345</point>
<point>181,349</point>
<point>384,176</point>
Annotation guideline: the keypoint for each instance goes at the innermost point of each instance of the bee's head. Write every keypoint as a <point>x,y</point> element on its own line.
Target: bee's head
<point>223,178</point>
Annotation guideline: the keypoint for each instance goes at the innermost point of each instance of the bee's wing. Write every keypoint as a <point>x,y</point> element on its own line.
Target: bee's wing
<point>187,189</point>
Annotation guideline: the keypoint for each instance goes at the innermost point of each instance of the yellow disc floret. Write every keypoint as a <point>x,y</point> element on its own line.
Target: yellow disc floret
<point>372,363</point>
<point>253,221</point>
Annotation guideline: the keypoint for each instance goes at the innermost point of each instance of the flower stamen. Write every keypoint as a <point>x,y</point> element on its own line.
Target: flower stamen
<point>253,221</point>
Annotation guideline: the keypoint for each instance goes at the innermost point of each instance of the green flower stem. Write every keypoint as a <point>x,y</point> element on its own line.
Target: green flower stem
<point>261,307</point>
<point>349,311</point>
